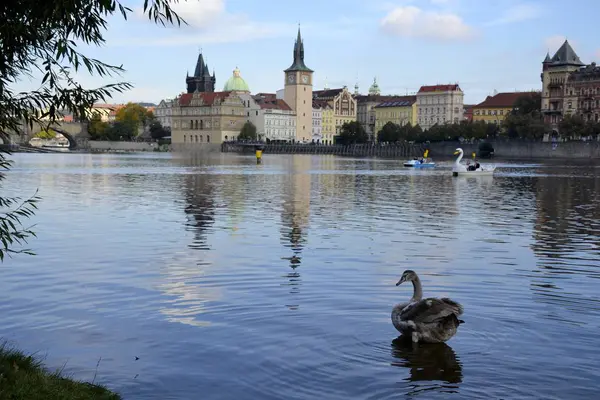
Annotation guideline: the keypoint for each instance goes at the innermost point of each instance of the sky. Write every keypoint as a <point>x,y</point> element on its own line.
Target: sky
<point>482,45</point>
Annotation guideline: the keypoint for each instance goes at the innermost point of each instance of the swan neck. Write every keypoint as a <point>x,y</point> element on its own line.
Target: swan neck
<point>417,290</point>
<point>460,156</point>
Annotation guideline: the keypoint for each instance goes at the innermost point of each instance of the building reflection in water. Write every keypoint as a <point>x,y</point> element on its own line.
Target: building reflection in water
<point>183,276</point>
<point>567,246</point>
<point>432,367</point>
<point>295,217</point>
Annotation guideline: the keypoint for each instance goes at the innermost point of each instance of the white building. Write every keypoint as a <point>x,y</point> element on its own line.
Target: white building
<point>317,123</point>
<point>164,112</point>
<point>273,118</point>
<point>439,104</point>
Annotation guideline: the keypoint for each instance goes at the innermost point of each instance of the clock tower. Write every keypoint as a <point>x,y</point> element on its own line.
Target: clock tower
<point>298,91</point>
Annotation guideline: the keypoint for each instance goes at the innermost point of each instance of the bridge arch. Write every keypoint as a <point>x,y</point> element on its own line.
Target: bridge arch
<point>70,130</point>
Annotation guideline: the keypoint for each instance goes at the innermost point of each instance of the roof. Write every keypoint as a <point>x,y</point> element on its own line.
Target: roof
<point>236,83</point>
<point>585,74</point>
<point>327,93</point>
<point>439,88</point>
<point>377,98</point>
<point>403,101</point>
<point>209,98</point>
<point>565,55</point>
<point>503,100</point>
<point>276,104</point>
<point>265,95</point>
<point>320,104</point>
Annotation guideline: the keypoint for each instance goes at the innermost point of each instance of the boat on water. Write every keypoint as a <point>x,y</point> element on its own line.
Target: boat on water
<point>475,169</point>
<point>423,162</point>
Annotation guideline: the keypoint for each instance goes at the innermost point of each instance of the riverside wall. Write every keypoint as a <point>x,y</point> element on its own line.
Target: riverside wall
<point>513,150</point>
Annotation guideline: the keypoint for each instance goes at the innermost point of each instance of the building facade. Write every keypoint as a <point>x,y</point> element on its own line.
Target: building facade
<point>317,125</point>
<point>494,109</point>
<point>163,112</point>
<point>342,102</point>
<point>298,91</point>
<point>204,117</point>
<point>327,121</point>
<point>439,104</point>
<point>202,80</point>
<point>400,111</point>
<point>569,87</point>
<point>273,118</point>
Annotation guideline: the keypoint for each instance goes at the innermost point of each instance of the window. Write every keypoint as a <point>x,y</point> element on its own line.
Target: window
<point>196,138</point>
<point>183,138</point>
<point>207,138</point>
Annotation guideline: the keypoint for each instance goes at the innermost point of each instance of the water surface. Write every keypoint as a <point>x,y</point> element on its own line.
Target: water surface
<point>276,281</point>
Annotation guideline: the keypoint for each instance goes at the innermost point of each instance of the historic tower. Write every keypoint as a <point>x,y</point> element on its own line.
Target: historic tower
<point>202,81</point>
<point>298,91</point>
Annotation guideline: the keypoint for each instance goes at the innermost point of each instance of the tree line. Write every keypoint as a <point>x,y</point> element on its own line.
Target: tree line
<point>129,121</point>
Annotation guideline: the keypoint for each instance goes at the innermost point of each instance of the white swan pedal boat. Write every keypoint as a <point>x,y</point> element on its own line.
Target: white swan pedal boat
<point>477,169</point>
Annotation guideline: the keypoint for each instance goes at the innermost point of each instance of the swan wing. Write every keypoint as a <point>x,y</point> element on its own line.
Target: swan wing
<point>429,310</point>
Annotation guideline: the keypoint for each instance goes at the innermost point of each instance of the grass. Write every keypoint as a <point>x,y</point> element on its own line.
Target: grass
<point>24,377</point>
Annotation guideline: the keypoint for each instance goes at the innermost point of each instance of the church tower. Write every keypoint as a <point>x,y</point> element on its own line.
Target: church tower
<point>202,81</point>
<point>298,91</point>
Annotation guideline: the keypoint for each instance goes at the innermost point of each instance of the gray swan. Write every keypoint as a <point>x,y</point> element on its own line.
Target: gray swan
<point>428,320</point>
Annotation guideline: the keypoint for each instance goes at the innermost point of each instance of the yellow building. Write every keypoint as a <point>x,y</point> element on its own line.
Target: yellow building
<point>207,117</point>
<point>494,109</point>
<point>342,102</point>
<point>327,122</point>
<point>400,110</point>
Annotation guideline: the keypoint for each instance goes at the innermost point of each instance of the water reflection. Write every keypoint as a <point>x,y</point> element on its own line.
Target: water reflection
<point>295,218</point>
<point>433,367</point>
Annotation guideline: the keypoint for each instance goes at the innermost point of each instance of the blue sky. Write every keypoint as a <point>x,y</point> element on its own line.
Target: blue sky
<point>483,45</point>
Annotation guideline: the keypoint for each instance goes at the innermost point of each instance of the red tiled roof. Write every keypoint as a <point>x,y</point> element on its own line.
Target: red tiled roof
<point>276,104</point>
<point>266,95</point>
<point>208,98</point>
<point>439,88</point>
<point>505,100</point>
<point>326,93</point>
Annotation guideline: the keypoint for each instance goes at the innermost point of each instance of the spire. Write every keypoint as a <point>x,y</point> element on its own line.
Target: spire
<point>547,59</point>
<point>298,64</point>
<point>200,66</point>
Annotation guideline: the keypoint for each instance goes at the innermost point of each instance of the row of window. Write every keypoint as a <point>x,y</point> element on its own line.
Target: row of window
<point>438,100</point>
<point>488,112</point>
<point>437,110</point>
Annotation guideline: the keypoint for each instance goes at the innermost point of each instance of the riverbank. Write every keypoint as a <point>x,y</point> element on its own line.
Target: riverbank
<point>24,377</point>
<point>508,150</point>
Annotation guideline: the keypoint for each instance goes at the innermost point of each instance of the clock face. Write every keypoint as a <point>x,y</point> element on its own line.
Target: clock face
<point>291,78</point>
<point>305,78</point>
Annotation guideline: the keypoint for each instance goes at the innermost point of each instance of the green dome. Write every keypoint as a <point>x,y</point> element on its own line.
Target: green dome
<point>374,89</point>
<point>236,83</point>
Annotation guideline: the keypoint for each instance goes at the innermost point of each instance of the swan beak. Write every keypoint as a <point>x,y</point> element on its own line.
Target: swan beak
<point>456,152</point>
<point>400,281</point>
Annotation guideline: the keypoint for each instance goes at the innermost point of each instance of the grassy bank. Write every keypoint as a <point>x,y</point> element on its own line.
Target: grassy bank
<point>24,377</point>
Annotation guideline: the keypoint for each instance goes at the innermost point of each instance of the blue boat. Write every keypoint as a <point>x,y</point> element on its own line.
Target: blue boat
<point>424,162</point>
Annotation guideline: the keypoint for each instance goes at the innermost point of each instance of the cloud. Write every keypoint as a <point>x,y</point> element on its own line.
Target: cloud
<point>411,21</point>
<point>518,13</point>
<point>553,43</point>
<point>208,21</point>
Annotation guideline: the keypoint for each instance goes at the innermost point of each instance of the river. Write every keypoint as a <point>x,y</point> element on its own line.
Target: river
<point>231,280</point>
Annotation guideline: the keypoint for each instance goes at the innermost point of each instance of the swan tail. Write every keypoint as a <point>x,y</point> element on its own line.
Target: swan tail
<point>460,321</point>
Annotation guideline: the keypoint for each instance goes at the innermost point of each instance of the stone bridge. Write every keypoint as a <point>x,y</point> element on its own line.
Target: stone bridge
<point>75,132</point>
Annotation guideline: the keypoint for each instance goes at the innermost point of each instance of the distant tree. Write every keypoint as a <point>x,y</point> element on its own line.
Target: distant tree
<point>528,103</point>
<point>157,131</point>
<point>98,128</point>
<point>572,126</point>
<point>389,133</point>
<point>524,126</point>
<point>248,132</point>
<point>352,133</point>
<point>135,116</point>
<point>119,131</point>
<point>46,134</point>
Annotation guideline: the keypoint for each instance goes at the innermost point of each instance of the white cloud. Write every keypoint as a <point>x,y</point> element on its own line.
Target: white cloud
<point>518,13</point>
<point>411,21</point>
<point>208,21</point>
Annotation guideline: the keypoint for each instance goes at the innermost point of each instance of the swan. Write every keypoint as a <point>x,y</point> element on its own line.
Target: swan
<point>462,169</point>
<point>427,320</point>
